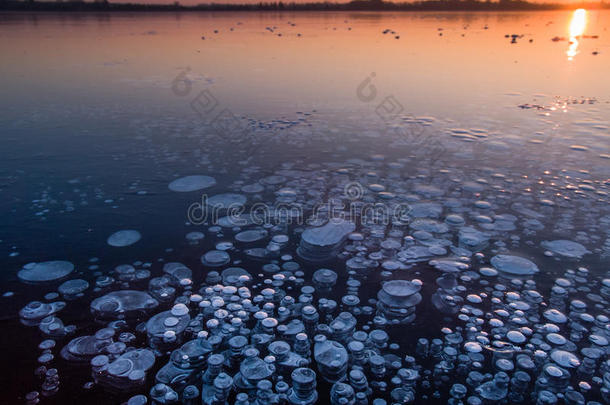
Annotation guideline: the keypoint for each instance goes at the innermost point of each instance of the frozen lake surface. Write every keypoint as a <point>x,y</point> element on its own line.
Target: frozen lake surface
<point>402,206</point>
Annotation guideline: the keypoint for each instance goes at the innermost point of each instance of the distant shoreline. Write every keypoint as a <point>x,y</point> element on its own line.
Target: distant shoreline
<point>357,5</point>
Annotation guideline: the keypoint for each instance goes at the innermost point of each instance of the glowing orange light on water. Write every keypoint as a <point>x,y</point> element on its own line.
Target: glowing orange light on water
<point>577,28</point>
<point>578,23</point>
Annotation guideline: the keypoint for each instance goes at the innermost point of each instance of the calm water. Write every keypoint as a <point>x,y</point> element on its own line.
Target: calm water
<point>99,112</point>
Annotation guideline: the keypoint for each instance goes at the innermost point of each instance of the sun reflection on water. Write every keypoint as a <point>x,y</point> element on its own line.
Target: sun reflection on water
<point>577,28</point>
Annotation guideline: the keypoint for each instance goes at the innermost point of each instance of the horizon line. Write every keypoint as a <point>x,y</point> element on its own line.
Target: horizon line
<point>353,5</point>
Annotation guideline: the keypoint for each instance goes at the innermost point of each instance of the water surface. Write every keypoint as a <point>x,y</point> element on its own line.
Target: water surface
<point>101,111</point>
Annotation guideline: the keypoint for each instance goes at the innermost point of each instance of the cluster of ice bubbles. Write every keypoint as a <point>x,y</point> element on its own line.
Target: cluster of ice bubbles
<point>319,312</point>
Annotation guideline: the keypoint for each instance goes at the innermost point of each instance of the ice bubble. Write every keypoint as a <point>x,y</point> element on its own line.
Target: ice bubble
<point>84,348</point>
<point>448,265</point>
<point>171,321</point>
<point>488,271</point>
<point>598,340</point>
<point>428,190</point>
<point>425,210</point>
<point>124,238</point>
<point>194,237</point>
<point>231,221</point>
<point>224,245</point>
<point>227,200</point>
<point>454,220</point>
<point>400,288</point>
<point>45,271</point>
<point>179,310</point>
<point>566,248</point>
<point>428,225</point>
<point>281,239</point>
<point>321,243</point>
<point>397,300</point>
<point>191,183</point>
<point>157,329</point>
<point>474,299</point>
<point>514,265</point>
<point>505,365</point>
<point>324,278</point>
<point>472,347</point>
<point>215,258</point>
<point>415,254</point>
<point>251,235</point>
<point>72,288</point>
<point>253,188</point>
<point>496,389</point>
<point>515,336</point>
<point>235,276</point>
<point>472,239</point>
<point>138,400</point>
<point>332,359</point>
<point>555,316</point>
<point>128,371</point>
<point>556,339</point>
<point>124,303</point>
<point>35,311</point>
<point>178,271</point>
<point>565,358</point>
<point>483,205</point>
